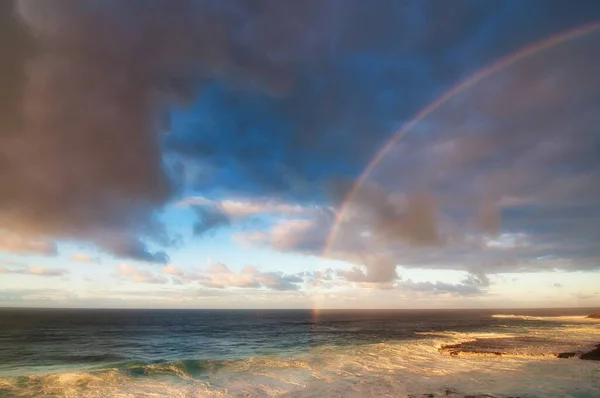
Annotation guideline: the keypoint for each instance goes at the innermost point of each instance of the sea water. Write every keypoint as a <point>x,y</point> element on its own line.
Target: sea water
<point>296,353</point>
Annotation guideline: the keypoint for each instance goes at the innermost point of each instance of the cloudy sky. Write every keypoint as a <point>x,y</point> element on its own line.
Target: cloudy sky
<point>299,154</point>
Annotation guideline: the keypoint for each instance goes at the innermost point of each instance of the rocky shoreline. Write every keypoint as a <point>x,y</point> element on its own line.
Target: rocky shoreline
<point>595,315</point>
<point>448,393</point>
<point>481,347</point>
<point>593,355</point>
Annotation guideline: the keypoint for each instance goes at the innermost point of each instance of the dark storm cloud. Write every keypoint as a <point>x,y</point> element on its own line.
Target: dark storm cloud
<point>503,177</point>
<point>130,247</point>
<point>16,45</point>
<point>280,96</point>
<point>86,161</point>
<point>410,218</point>
<point>363,85</point>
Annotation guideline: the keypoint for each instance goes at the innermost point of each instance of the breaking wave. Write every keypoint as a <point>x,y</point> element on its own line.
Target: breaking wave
<point>575,319</point>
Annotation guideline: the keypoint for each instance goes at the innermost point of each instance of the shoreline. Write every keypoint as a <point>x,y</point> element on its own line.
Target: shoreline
<point>470,349</point>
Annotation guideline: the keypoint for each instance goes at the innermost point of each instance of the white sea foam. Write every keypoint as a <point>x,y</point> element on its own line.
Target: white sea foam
<point>575,319</point>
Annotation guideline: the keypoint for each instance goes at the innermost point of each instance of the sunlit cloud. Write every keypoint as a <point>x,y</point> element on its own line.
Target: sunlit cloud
<point>83,258</point>
<point>171,270</point>
<point>13,243</point>
<point>244,208</point>
<point>136,275</point>
<point>219,276</point>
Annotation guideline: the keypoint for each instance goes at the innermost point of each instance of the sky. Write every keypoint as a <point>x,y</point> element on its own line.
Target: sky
<point>286,154</point>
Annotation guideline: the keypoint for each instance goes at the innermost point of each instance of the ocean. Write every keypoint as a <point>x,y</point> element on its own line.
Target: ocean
<point>297,353</point>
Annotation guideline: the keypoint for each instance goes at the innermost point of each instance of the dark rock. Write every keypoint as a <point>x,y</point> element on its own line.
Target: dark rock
<point>595,315</point>
<point>593,355</point>
<point>480,396</point>
<point>567,354</point>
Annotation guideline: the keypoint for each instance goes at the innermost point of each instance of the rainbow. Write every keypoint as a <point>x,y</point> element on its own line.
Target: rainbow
<point>461,86</point>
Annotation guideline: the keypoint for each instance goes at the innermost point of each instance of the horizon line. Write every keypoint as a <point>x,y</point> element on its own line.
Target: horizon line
<point>297,309</point>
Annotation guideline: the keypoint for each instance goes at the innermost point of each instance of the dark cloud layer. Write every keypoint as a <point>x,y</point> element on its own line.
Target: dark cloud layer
<point>130,247</point>
<point>501,178</point>
<point>265,97</point>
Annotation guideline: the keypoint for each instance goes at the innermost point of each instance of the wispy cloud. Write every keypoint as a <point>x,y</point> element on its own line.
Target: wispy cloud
<point>218,275</point>
<point>83,258</point>
<point>35,270</point>
<point>246,207</point>
<point>136,275</point>
<point>171,270</point>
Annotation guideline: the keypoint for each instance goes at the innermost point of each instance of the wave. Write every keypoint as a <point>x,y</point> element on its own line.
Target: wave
<point>565,318</point>
<point>454,352</point>
<point>89,385</point>
<point>183,368</point>
<point>122,379</point>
